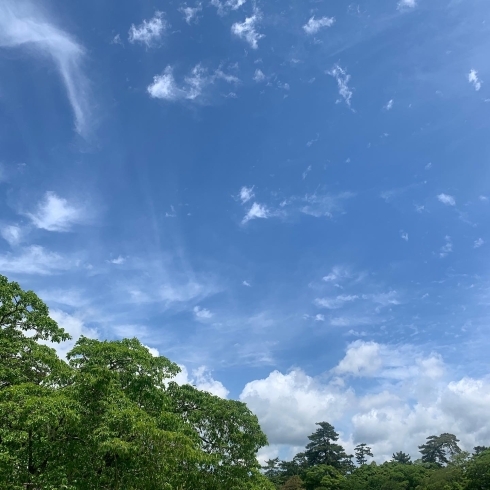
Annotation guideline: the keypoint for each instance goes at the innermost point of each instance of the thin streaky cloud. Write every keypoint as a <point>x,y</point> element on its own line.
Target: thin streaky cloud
<point>12,234</point>
<point>343,79</point>
<point>34,260</point>
<point>407,4</point>
<point>23,26</point>
<point>447,248</point>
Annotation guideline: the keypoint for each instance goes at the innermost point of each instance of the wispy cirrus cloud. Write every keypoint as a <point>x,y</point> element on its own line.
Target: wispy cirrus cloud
<point>407,4</point>
<point>22,25</point>
<point>149,32</point>
<point>314,25</point>
<point>228,5</point>
<point>447,248</point>
<point>34,260</point>
<point>55,213</point>
<point>191,14</point>
<point>343,79</point>
<point>12,234</point>
<point>247,30</point>
<point>336,302</point>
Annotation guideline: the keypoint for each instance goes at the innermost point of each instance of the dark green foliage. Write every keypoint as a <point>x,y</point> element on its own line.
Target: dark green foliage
<point>437,449</point>
<point>323,448</point>
<point>402,458</point>
<point>361,451</point>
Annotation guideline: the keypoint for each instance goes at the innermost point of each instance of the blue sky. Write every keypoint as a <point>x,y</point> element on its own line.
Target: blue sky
<point>288,199</point>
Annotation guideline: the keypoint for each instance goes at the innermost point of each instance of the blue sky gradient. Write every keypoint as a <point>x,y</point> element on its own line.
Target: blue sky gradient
<point>290,200</point>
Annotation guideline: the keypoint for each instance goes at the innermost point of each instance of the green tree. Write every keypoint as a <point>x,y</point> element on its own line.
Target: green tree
<point>478,471</point>
<point>437,449</point>
<point>401,457</point>
<point>112,418</point>
<point>323,477</point>
<point>293,483</point>
<point>361,451</point>
<point>323,448</point>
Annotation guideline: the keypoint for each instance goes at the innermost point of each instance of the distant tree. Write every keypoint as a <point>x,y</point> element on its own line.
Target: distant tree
<point>323,448</point>
<point>293,483</point>
<point>361,451</point>
<point>437,449</point>
<point>479,449</point>
<point>272,471</point>
<point>401,457</point>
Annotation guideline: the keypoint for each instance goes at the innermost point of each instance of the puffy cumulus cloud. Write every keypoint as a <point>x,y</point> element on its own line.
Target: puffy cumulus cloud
<point>203,380</point>
<point>257,211</point>
<point>149,31</point>
<point>259,75</point>
<point>34,260</point>
<point>447,199</point>
<point>343,79</point>
<point>23,26</point>
<point>55,213</point>
<point>289,405</point>
<point>73,325</point>
<point>247,30</point>
<point>361,359</point>
<point>314,25</point>
<point>409,397</point>
<point>202,313</point>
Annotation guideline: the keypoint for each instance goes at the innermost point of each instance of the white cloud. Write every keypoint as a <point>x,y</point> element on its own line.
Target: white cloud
<point>338,273</point>
<point>383,299</point>
<point>246,193</point>
<point>446,199</point>
<point>335,302</point>
<point>483,198</point>
<point>478,243</point>
<point>72,325</point>
<point>191,13</point>
<point>117,40</point>
<point>22,25</point>
<point>409,398</point>
<point>149,31</point>
<point>289,405</point>
<point>227,5</point>
<point>403,4</point>
<point>342,82</point>
<point>255,212</point>
<point>447,248</point>
<point>389,105</point>
<point>247,284</point>
<point>319,318</point>
<point>361,359</point>
<point>324,205</point>
<point>474,80</point>
<point>259,75</point>
<point>11,234</point>
<point>34,260</point>
<point>56,214</point>
<point>202,379</point>
<point>202,313</point>
<point>314,25</point>
<point>246,30</point>
<point>165,86</point>
<point>404,235</point>
<point>118,260</point>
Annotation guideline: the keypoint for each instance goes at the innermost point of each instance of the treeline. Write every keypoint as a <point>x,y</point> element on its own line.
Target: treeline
<point>111,417</point>
<point>325,465</point>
